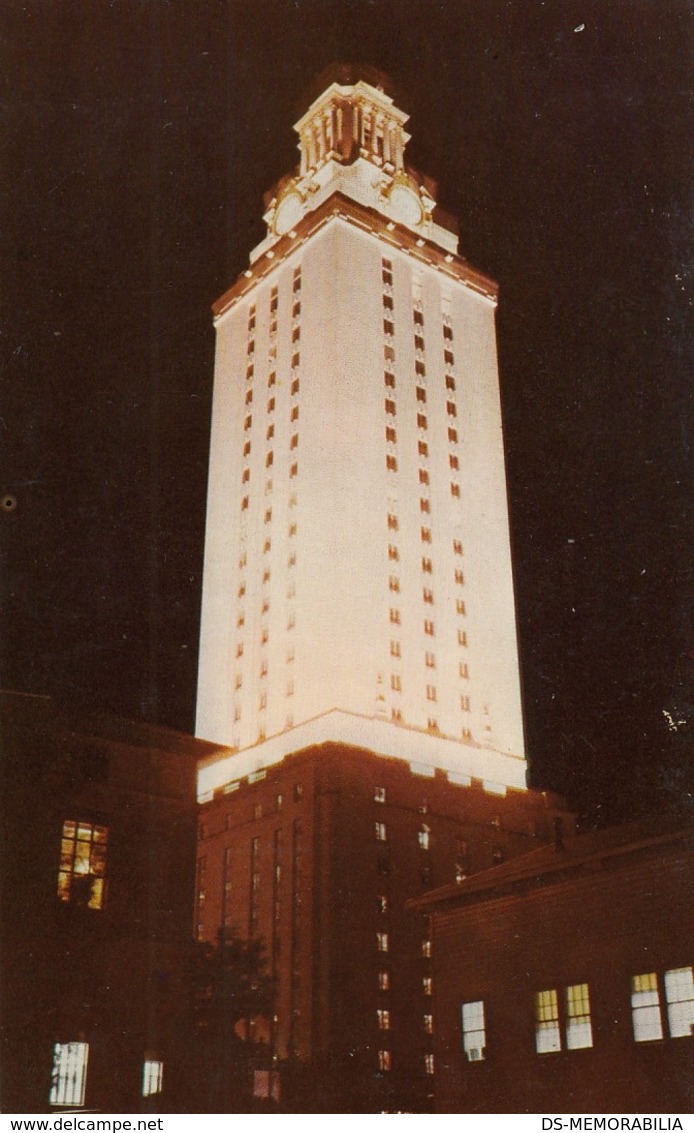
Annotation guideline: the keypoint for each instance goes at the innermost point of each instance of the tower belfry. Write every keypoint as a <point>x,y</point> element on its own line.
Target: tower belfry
<point>357,528</point>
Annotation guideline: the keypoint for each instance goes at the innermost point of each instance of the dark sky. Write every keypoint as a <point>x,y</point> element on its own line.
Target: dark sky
<point>139,137</point>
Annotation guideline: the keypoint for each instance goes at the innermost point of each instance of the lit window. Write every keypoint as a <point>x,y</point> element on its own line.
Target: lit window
<point>547,1032</point>
<point>423,837</point>
<point>428,985</point>
<point>645,1008</point>
<point>69,1075</point>
<point>382,903</point>
<point>579,1033</point>
<point>384,1061</point>
<point>428,1063</point>
<point>679,996</point>
<point>383,1016</point>
<point>380,831</point>
<point>83,865</point>
<point>474,1039</point>
<point>383,981</point>
<point>382,943</point>
<point>379,794</point>
<point>152,1077</point>
<point>426,947</point>
<point>428,1021</point>
<point>395,682</point>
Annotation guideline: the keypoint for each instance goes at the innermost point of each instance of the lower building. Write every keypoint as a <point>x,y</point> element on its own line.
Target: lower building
<point>98,848</point>
<point>316,856</point>
<point>567,977</point>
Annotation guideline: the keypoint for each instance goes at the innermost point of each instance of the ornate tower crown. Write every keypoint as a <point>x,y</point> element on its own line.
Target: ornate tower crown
<point>352,140</point>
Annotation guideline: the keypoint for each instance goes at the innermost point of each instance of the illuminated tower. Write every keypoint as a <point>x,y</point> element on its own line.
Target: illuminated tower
<point>357,582</point>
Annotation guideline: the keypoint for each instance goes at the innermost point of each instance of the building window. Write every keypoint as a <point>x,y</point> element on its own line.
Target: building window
<point>679,996</point>
<point>388,327</point>
<point>271,405</point>
<point>245,476</point>
<point>383,867</point>
<point>389,379</point>
<point>427,567</point>
<point>248,422</point>
<point>451,409</point>
<point>269,460</point>
<point>295,360</point>
<point>428,1021</point>
<point>429,627</point>
<point>459,577</point>
<point>295,413</point>
<point>379,794</point>
<point>465,703</point>
<point>448,332</point>
<point>389,353</point>
<point>383,1016</point>
<point>421,394</point>
<point>247,448</point>
<point>453,462</point>
<point>394,583</point>
<point>463,670</point>
<point>394,616</point>
<point>418,318</point>
<point>453,436</point>
<point>431,692</point>
<point>383,981</point>
<point>579,1032</point>
<point>418,342</point>
<point>425,534</point>
<point>395,682</point>
<point>390,407</point>
<point>428,985</point>
<point>271,379</point>
<point>645,1008</point>
<point>430,660</point>
<point>152,1077</point>
<point>474,1039</point>
<point>419,368</point>
<point>380,831</point>
<point>459,606</point>
<point>391,435</point>
<point>244,503</point>
<point>382,942</point>
<point>426,947</point>
<point>294,388</point>
<point>448,357</point>
<point>396,715</point>
<point>69,1074</point>
<point>395,648</point>
<point>450,382</point>
<point>421,421</point>
<point>384,1061</point>
<point>81,877</point>
<point>388,302</point>
<point>428,596</point>
<point>293,471</point>
<point>547,1032</point>
<point>422,448</point>
<point>462,637</point>
<point>455,489</point>
<point>294,442</point>
<point>382,903</point>
<point>392,522</point>
<point>428,1063</point>
<point>249,396</point>
<point>423,837</point>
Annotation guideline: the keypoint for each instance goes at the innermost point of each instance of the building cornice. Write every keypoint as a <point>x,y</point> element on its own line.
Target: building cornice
<point>396,236</point>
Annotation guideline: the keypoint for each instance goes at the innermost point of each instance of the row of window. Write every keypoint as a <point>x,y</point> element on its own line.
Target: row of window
<point>423,834</point>
<point>563,1016</point>
<point>69,1075</point>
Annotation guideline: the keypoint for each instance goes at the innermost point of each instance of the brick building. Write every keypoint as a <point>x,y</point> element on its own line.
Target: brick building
<point>98,849</point>
<point>317,856</point>
<point>563,979</point>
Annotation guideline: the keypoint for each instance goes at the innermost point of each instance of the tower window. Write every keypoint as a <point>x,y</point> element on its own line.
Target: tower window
<point>455,489</point>
<point>427,566</point>
<point>383,1017</point>
<point>451,409</point>
<point>428,985</point>
<point>448,357</point>
<point>389,379</point>
<point>419,368</point>
<point>428,1064</point>
<point>381,832</point>
<point>248,422</point>
<point>382,942</point>
<point>450,382</point>
<point>430,660</point>
<point>421,394</point>
<point>431,692</point>
<point>249,396</point>
<point>418,342</point>
<point>152,1077</point>
<point>295,413</point>
<point>294,388</point>
<point>453,461</point>
<point>391,435</point>
<point>395,648</point>
<point>459,577</point>
<point>428,1021</point>
<point>391,463</point>
<point>453,436</point>
<point>383,981</point>
<point>395,682</point>
<point>388,327</point>
<point>271,378</point>
<point>379,794</point>
<point>393,553</point>
<point>394,583</point>
<point>423,476</point>
<point>392,522</point>
<point>390,407</point>
<point>394,616</point>
<point>421,421</point>
<point>465,703</point>
<point>384,1062</point>
<point>429,628</point>
<point>424,505</point>
<point>457,547</point>
<point>425,534</point>
<point>423,837</point>
<point>422,448</point>
<point>463,670</point>
<point>247,448</point>
<point>389,353</point>
<point>294,442</point>
<point>271,405</point>
<point>428,596</point>
<point>459,606</point>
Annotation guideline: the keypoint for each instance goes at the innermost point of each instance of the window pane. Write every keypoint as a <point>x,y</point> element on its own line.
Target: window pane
<point>547,1035</point>
<point>679,994</point>
<point>578,1028</point>
<point>645,1008</point>
<point>69,1075</point>
<point>474,1039</point>
<point>152,1077</point>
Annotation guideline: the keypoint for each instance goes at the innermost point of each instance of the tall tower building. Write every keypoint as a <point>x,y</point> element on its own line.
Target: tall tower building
<point>357,581</point>
<point>358,651</point>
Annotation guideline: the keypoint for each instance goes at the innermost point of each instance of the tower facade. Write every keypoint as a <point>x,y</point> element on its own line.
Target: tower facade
<point>357,582</point>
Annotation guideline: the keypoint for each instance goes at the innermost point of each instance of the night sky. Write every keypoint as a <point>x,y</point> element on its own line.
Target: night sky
<point>138,139</point>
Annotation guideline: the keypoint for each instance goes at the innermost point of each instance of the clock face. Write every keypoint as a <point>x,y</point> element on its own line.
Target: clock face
<point>289,212</point>
<point>405,205</point>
